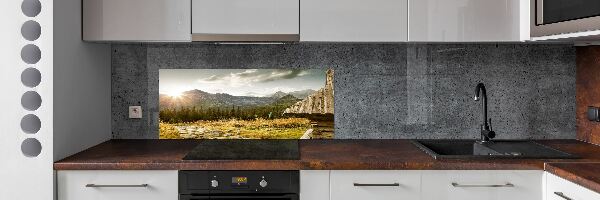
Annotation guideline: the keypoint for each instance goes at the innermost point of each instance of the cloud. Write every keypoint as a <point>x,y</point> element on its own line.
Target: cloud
<point>282,74</point>
<point>247,73</point>
<point>250,76</point>
<point>213,78</point>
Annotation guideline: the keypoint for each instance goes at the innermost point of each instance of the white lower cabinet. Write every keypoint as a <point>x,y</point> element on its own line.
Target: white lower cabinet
<point>341,185</point>
<point>314,184</point>
<point>436,185</point>
<point>560,189</point>
<point>375,185</point>
<point>482,185</point>
<point>117,185</point>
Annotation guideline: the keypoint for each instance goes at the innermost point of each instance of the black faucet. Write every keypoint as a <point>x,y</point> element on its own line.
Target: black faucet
<point>486,129</point>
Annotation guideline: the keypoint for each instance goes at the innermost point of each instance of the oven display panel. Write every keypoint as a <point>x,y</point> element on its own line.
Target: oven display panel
<point>239,181</point>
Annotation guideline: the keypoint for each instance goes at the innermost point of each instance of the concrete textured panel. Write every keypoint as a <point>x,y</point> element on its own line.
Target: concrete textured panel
<point>381,90</point>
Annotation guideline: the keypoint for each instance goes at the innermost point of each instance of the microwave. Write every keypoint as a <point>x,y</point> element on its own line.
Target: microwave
<point>555,17</point>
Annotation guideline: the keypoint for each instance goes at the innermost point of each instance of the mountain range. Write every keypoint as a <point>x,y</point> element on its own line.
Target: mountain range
<point>298,94</point>
<point>199,98</point>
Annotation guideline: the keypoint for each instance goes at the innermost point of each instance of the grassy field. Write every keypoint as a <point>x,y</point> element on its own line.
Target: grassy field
<point>289,128</point>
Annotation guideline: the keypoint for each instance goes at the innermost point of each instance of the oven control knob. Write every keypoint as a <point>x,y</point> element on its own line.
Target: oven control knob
<point>214,183</point>
<point>263,183</point>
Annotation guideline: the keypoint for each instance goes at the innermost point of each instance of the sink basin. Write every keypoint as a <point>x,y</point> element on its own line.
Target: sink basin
<point>470,149</point>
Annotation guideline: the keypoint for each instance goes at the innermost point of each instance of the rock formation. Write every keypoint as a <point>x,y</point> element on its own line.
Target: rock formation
<point>320,102</point>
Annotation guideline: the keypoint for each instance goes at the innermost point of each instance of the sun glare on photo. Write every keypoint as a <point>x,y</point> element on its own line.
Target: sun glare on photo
<point>175,94</point>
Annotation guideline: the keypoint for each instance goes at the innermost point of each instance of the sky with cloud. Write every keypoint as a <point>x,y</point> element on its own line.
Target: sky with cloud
<point>240,82</point>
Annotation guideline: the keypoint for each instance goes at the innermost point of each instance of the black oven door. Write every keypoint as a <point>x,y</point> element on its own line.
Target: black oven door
<point>241,197</point>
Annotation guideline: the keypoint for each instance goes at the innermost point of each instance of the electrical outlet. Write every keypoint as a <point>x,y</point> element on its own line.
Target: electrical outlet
<point>593,114</point>
<point>135,112</point>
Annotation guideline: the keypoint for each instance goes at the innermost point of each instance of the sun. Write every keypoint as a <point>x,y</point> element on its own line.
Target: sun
<point>175,94</point>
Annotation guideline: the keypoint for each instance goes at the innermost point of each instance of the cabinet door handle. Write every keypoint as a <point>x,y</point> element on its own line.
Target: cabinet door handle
<point>115,186</point>
<point>376,184</point>
<point>491,185</point>
<point>560,194</point>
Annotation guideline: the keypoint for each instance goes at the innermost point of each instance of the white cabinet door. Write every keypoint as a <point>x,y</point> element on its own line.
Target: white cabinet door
<point>560,189</point>
<point>245,17</point>
<point>136,20</point>
<point>468,20</point>
<point>117,185</point>
<point>353,20</point>
<point>482,185</point>
<point>375,185</point>
<point>314,185</point>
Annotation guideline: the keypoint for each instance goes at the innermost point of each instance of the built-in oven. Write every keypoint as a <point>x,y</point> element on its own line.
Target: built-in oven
<point>554,17</point>
<point>237,185</point>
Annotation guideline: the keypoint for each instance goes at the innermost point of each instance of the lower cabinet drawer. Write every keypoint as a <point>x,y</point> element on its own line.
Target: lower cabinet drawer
<point>375,185</point>
<point>482,185</point>
<point>117,185</point>
<point>560,189</point>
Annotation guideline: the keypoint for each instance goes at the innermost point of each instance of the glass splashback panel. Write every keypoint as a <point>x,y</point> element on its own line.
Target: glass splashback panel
<point>246,103</point>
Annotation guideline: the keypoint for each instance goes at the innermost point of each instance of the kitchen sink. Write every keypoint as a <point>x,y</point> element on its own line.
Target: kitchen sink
<point>472,149</point>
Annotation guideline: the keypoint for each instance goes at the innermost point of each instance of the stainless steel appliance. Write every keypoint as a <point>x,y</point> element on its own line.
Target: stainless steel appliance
<point>553,17</point>
<point>234,185</point>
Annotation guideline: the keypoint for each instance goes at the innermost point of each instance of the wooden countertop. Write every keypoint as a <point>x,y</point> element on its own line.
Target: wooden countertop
<point>331,155</point>
<point>584,174</point>
<point>314,154</point>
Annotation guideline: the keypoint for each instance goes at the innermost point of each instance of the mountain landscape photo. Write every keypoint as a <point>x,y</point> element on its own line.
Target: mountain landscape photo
<point>246,104</point>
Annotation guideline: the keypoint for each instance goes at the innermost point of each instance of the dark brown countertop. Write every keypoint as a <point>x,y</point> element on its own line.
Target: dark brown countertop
<point>584,174</point>
<point>314,154</point>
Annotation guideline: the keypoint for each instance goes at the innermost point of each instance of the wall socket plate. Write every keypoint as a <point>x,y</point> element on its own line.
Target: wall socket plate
<point>135,112</point>
<point>593,114</point>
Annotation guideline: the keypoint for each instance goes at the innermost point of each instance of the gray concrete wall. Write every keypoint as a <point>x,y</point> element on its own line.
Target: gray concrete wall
<point>382,90</point>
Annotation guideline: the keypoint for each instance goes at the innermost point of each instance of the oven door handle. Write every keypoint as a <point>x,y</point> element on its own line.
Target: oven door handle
<point>192,197</point>
<point>245,196</point>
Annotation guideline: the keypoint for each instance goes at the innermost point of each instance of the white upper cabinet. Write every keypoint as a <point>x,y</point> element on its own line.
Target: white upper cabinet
<point>468,20</point>
<point>353,20</point>
<point>245,20</point>
<point>136,20</point>
<point>307,20</point>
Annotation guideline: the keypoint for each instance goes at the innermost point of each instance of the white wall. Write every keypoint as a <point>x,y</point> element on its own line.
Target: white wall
<point>82,79</point>
<point>82,108</point>
<point>21,177</point>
